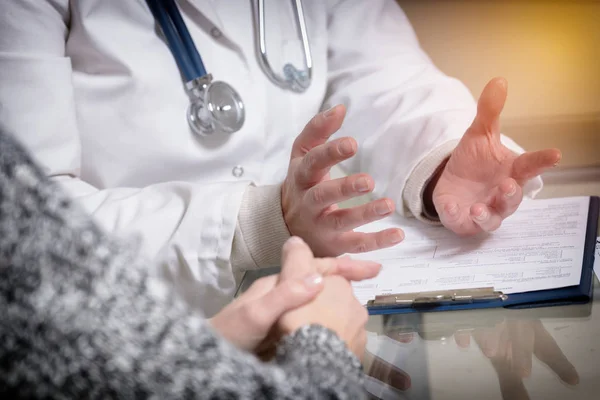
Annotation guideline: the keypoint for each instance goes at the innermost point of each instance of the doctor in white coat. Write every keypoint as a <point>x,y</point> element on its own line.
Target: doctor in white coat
<point>92,89</point>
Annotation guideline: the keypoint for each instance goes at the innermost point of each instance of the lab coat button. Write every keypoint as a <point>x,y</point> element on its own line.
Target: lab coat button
<point>216,33</point>
<point>237,171</point>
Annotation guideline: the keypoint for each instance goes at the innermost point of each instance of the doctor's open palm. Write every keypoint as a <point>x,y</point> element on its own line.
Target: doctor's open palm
<point>309,197</point>
<point>481,184</point>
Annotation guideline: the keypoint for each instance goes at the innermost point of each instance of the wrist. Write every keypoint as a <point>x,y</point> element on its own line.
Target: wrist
<point>428,204</point>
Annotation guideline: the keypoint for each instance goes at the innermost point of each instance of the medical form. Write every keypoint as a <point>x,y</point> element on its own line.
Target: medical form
<point>540,247</point>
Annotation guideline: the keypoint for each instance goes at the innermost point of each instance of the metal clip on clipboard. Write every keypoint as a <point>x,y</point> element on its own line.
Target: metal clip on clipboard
<point>442,297</point>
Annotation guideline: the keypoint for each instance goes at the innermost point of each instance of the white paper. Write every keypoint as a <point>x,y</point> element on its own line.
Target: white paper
<point>539,247</point>
<point>597,258</point>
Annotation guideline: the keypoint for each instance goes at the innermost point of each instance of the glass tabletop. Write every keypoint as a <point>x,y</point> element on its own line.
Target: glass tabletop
<point>538,353</point>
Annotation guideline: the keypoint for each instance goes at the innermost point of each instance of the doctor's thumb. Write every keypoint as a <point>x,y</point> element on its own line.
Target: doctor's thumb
<point>490,105</point>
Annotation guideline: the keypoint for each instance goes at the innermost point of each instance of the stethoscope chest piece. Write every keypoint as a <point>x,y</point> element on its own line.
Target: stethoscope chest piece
<point>214,107</point>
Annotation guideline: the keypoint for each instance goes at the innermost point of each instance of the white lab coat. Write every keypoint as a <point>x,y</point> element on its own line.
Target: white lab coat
<point>92,90</point>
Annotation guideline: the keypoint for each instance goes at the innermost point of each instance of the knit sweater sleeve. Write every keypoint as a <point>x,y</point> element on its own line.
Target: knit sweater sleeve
<point>82,318</point>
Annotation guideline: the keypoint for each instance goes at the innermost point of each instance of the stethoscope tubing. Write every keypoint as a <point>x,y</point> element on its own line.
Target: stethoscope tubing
<point>178,38</point>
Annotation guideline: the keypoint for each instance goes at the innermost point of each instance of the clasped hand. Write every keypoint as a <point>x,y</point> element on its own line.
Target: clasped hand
<point>308,291</point>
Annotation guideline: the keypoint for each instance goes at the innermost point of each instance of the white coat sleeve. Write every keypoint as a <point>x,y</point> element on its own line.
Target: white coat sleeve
<point>406,114</point>
<point>190,238</point>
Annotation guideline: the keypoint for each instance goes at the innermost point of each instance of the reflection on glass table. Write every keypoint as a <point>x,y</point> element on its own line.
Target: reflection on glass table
<point>539,353</point>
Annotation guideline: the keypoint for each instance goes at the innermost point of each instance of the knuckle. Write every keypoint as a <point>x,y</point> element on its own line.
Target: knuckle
<point>263,284</point>
<point>315,122</point>
<point>297,142</point>
<point>255,316</point>
<point>367,213</point>
<point>287,292</point>
<point>337,221</point>
<point>331,149</point>
<point>310,160</point>
<point>298,174</point>
<point>318,195</point>
<point>346,187</point>
<point>361,247</point>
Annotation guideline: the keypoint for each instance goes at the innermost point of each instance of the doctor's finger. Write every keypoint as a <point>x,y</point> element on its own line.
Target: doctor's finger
<point>485,217</point>
<point>319,160</point>
<point>531,164</point>
<point>297,260</point>
<point>360,242</point>
<point>345,219</point>
<point>508,197</point>
<point>456,219</point>
<point>334,191</point>
<point>318,130</point>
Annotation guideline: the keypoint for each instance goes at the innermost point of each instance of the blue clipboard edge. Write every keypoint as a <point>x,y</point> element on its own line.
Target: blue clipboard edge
<point>579,294</point>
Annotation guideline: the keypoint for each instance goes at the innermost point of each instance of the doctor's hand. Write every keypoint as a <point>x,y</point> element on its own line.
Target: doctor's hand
<point>309,196</point>
<point>481,184</point>
<point>249,319</point>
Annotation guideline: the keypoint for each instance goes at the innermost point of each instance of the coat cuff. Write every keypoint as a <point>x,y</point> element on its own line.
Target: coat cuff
<point>417,181</point>
<point>261,230</point>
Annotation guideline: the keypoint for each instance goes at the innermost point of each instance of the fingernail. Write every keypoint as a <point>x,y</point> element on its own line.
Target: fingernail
<point>572,379</point>
<point>483,216</point>
<point>361,185</point>
<point>558,161</point>
<point>396,237</point>
<point>513,190</point>
<point>313,281</point>
<point>328,113</point>
<point>383,207</point>
<point>346,147</point>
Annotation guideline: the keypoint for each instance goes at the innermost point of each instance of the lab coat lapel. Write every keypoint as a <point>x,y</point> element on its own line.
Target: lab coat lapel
<point>205,13</point>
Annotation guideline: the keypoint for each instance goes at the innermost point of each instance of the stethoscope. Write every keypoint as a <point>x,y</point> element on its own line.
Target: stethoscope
<point>215,106</point>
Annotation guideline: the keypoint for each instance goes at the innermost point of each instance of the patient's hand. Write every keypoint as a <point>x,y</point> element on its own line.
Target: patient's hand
<point>248,320</point>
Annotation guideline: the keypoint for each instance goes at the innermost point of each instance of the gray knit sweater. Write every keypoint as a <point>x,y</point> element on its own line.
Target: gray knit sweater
<point>81,318</point>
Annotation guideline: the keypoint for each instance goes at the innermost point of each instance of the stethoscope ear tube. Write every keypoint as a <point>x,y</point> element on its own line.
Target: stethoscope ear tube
<point>294,79</point>
<point>216,106</point>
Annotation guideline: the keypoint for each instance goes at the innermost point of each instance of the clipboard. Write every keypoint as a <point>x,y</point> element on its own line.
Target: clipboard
<point>487,297</point>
